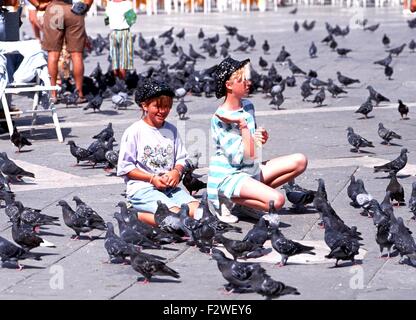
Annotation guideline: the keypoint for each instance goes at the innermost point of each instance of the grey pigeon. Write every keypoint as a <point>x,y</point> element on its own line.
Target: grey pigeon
<point>397,50</point>
<point>240,275</point>
<point>84,210</point>
<point>117,248</point>
<point>412,45</point>
<point>343,51</point>
<point>403,241</point>
<point>334,89</point>
<point>265,47</point>
<point>294,68</point>
<point>201,34</point>
<point>10,254</point>
<point>382,238</point>
<point>259,233</point>
<point>388,72</point>
<point>386,134</point>
<point>355,188</point>
<point>306,89</point>
<point>357,141</point>
<point>26,237</point>
<point>319,97</point>
<point>395,188</point>
<point>181,34</point>
<point>11,169</point>
<point>19,140</point>
<point>384,62</point>
<point>251,42</point>
<point>346,81</point>
<point>149,267</point>
<point>106,133</point>
<point>277,100</point>
<point>283,55</point>
<point>77,223</point>
<point>403,110</point>
<point>287,248</point>
<point>167,220</point>
<point>412,201</point>
<point>79,153</point>
<point>385,40</point>
<point>195,55</point>
<point>242,249</point>
<point>365,108</point>
<point>263,63</point>
<point>167,33</point>
<point>266,286</point>
<point>377,213</point>
<point>313,50</point>
<point>372,28</point>
<point>396,165</point>
<point>34,217</point>
<point>298,196</point>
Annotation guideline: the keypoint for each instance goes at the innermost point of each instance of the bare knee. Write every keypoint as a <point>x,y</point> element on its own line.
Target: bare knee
<point>279,201</point>
<point>301,162</point>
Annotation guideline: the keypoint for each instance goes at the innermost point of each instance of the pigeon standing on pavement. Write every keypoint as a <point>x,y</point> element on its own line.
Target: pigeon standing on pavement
<point>403,241</point>
<point>26,237</point>
<point>395,188</point>
<point>298,196</point>
<point>357,141</point>
<point>285,247</point>
<point>319,97</point>
<point>388,72</point>
<point>365,108</point>
<point>386,134</point>
<point>395,165</point>
<point>313,50</point>
<point>403,110</point>
<point>10,254</point>
<point>117,248</point>
<point>11,169</point>
<point>385,40</point>
<point>294,68</point>
<point>19,140</point>
<point>265,47</point>
<point>376,96</point>
<point>259,233</point>
<point>346,81</point>
<point>79,153</point>
<point>412,201</point>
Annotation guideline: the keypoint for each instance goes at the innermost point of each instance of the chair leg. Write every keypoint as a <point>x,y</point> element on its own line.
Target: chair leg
<point>57,125</point>
<point>7,114</point>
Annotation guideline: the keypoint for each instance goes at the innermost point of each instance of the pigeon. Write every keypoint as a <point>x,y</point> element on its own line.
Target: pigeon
<point>149,267</point>
<point>224,52</point>
<point>26,237</point>
<point>265,47</point>
<point>388,72</point>
<point>94,103</point>
<point>294,68</point>
<point>386,205</point>
<point>240,275</point>
<point>277,100</point>
<point>343,247</point>
<point>79,153</point>
<point>306,89</point>
<point>313,50</point>
<point>376,96</point>
<point>403,240</point>
<point>287,248</point>
<point>384,62</point>
<point>10,254</point>
<point>259,233</point>
<point>181,109</point>
<point>355,188</point>
<point>243,47</point>
<point>397,50</point>
<point>19,140</point>
<point>77,223</point>
<point>412,45</point>
<point>346,81</point>
<point>396,165</point>
<point>11,169</point>
<point>241,38</point>
<point>319,97</point>
<point>291,81</point>
<point>343,51</point>
<point>190,181</point>
<point>201,34</point>
<point>378,215</point>
<point>357,141</point>
<point>385,40</point>
<point>382,238</point>
<point>181,34</point>
<point>293,11</point>
<point>321,197</point>
<point>112,159</point>
<point>386,134</point>
<point>283,55</point>
<point>309,26</point>
<point>297,195</point>
<point>412,201</point>
<point>129,235</point>
<point>251,42</point>
<point>34,217</point>
<point>395,188</point>
<point>263,63</point>
<point>296,26</point>
<point>372,28</point>
<point>167,220</point>
<point>242,249</point>
<point>85,211</point>
<point>226,44</point>
<point>195,55</point>
<point>365,108</point>
<point>167,33</point>
<point>403,110</point>
<point>232,31</point>
<point>328,39</point>
<point>333,45</point>
<point>117,248</point>
<point>106,133</point>
<point>334,89</point>
<point>270,288</point>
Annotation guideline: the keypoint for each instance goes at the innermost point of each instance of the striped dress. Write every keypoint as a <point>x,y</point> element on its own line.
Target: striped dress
<point>227,168</point>
<point>121,49</point>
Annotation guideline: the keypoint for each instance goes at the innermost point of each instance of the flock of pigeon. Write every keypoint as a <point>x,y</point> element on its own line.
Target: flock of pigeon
<point>208,233</point>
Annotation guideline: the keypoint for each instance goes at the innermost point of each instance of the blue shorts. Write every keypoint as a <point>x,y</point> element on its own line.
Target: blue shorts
<point>146,199</point>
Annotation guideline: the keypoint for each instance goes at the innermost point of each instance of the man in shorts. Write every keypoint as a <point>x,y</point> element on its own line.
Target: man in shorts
<point>61,23</point>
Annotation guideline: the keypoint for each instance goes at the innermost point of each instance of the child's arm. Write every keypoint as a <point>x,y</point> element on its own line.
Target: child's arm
<point>247,138</point>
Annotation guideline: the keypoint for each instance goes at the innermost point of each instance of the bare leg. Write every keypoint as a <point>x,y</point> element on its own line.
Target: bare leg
<point>255,194</point>
<point>78,65</point>
<point>122,73</point>
<point>280,170</point>
<point>53,58</point>
<point>192,207</point>
<point>34,22</point>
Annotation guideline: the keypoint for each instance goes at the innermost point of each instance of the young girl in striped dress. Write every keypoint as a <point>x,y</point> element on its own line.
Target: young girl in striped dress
<point>121,42</point>
<point>235,171</point>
